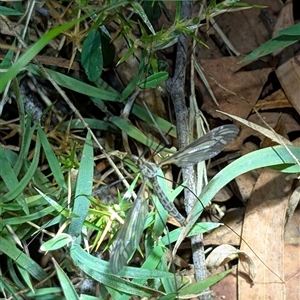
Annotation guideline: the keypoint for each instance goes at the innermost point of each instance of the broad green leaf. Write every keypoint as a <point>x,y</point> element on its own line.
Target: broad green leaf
<point>57,242</point>
<point>91,56</point>
<point>153,80</point>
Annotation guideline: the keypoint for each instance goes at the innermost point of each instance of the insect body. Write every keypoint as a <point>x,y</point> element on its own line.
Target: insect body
<point>149,171</point>
<point>201,149</point>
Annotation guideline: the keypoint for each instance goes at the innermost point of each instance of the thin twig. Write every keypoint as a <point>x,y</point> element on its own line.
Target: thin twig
<point>175,87</point>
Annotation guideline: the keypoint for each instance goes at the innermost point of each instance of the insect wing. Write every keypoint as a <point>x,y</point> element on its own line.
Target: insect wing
<point>129,235</point>
<point>206,147</point>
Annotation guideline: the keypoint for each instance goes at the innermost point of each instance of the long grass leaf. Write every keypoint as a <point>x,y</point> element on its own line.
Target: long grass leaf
<point>83,187</point>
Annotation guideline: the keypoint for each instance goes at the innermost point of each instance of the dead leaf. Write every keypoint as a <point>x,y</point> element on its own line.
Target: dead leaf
<point>276,100</point>
<point>288,70</point>
<point>263,230</point>
<point>226,253</point>
<point>292,229</point>
<point>229,233</point>
<point>232,84</point>
<point>271,134</point>
<point>292,273</point>
<point>249,29</point>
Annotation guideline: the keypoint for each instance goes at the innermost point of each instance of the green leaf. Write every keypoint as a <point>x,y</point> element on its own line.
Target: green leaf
<point>100,271</point>
<point>57,242</point>
<point>34,50</point>
<point>76,85</point>
<point>6,11</point>
<point>18,188</point>
<point>22,259</point>
<point>91,56</point>
<point>6,172</point>
<point>84,187</point>
<point>52,159</point>
<point>164,125</point>
<point>133,83</point>
<point>153,80</point>
<point>136,134</point>
<point>66,284</point>
<point>198,228</point>
<point>139,9</point>
<point>285,38</point>
<point>198,287</point>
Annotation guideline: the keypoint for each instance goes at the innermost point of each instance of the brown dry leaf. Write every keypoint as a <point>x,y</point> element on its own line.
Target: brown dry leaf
<point>249,29</point>
<point>279,129</point>
<point>263,230</point>
<point>248,264</point>
<point>223,195</point>
<point>272,135</point>
<point>220,256</point>
<point>270,118</point>
<point>288,70</point>
<point>292,270</point>
<point>226,253</point>
<point>285,19</point>
<point>292,256</point>
<point>229,233</point>
<point>292,229</point>
<point>231,82</point>
<point>245,183</point>
<point>276,100</point>
<point>288,74</point>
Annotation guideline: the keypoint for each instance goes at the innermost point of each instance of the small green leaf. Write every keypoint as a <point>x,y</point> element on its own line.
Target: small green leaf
<point>198,287</point>
<point>57,242</point>
<point>91,57</point>
<point>6,11</point>
<point>52,159</point>
<point>153,80</point>
<point>66,283</point>
<point>285,38</point>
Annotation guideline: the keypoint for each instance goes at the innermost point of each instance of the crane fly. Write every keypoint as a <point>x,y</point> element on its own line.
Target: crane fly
<point>129,235</point>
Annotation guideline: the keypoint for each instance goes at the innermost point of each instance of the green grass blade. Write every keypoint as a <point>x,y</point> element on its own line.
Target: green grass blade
<point>99,270</point>
<point>66,284</point>
<point>22,259</point>
<point>76,85</point>
<point>17,190</point>
<point>285,38</point>
<point>34,50</point>
<point>52,159</point>
<point>11,182</point>
<point>84,187</point>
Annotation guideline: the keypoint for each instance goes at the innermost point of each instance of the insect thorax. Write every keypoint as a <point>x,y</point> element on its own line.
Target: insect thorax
<point>148,169</point>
